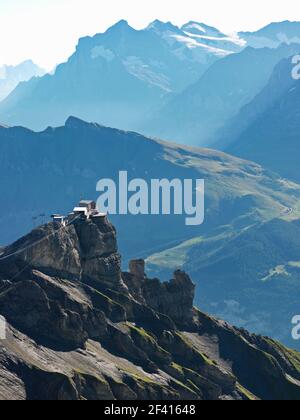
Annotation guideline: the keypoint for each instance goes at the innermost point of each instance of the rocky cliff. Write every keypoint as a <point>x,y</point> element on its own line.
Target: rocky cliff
<point>80,329</point>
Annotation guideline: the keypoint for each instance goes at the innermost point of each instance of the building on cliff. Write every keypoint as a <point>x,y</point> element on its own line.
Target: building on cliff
<point>88,204</point>
<point>86,209</point>
<point>57,218</point>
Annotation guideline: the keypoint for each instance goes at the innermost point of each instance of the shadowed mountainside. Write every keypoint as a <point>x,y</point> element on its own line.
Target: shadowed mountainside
<point>267,129</point>
<point>86,331</point>
<point>229,84</point>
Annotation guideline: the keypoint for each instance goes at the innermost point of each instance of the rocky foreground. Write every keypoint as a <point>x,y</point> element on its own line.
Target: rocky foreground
<point>80,329</point>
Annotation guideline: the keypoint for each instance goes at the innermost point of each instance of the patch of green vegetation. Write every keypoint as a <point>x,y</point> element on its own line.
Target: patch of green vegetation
<point>142,333</point>
<point>143,380</point>
<point>138,377</point>
<point>79,371</point>
<point>180,384</point>
<point>86,374</point>
<point>294,358</point>
<point>246,393</point>
<point>177,367</point>
<point>148,338</point>
<point>206,360</point>
<point>174,257</point>
<point>270,358</point>
<point>108,299</point>
<point>193,386</point>
<point>292,355</point>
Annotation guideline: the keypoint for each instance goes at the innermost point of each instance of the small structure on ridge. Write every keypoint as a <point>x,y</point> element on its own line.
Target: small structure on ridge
<point>86,209</point>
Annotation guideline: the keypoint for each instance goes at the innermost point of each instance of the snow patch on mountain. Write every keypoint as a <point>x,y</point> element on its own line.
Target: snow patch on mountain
<point>234,39</point>
<point>189,42</point>
<point>101,52</point>
<point>192,44</point>
<point>184,40</point>
<point>284,38</point>
<point>143,71</point>
<point>201,29</point>
<point>196,26</point>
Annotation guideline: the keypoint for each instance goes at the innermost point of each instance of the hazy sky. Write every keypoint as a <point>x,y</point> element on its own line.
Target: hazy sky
<point>47,30</point>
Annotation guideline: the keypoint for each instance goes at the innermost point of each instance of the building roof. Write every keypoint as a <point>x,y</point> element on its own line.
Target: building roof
<point>80,210</point>
<point>99,215</point>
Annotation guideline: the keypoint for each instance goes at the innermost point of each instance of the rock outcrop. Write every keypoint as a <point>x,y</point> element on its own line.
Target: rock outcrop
<point>86,249</point>
<point>86,331</point>
<point>174,299</point>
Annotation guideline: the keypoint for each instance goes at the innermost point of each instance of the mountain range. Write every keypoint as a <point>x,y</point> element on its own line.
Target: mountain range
<point>116,77</point>
<point>11,76</point>
<point>139,79</point>
<point>47,172</point>
<point>84,330</point>
<point>196,86</point>
<point>267,129</point>
<point>273,35</point>
<point>206,106</point>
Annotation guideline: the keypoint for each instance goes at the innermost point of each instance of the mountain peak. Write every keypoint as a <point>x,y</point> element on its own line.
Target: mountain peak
<point>120,25</point>
<point>161,26</point>
<point>199,28</point>
<point>29,61</point>
<point>75,122</point>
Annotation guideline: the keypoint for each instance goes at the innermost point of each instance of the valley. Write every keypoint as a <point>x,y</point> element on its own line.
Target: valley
<point>248,230</point>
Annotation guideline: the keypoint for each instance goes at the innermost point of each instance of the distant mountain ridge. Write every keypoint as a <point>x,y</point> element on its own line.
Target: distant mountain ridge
<point>213,37</point>
<point>273,35</point>
<point>11,76</point>
<point>203,108</point>
<point>267,129</point>
<point>123,77</point>
<point>115,78</point>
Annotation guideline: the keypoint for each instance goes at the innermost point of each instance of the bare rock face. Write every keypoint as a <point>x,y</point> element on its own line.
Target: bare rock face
<point>137,269</point>
<point>174,299</point>
<point>51,247</point>
<point>97,237</point>
<point>99,252</point>
<point>84,249</point>
<point>35,306</point>
<point>135,279</point>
